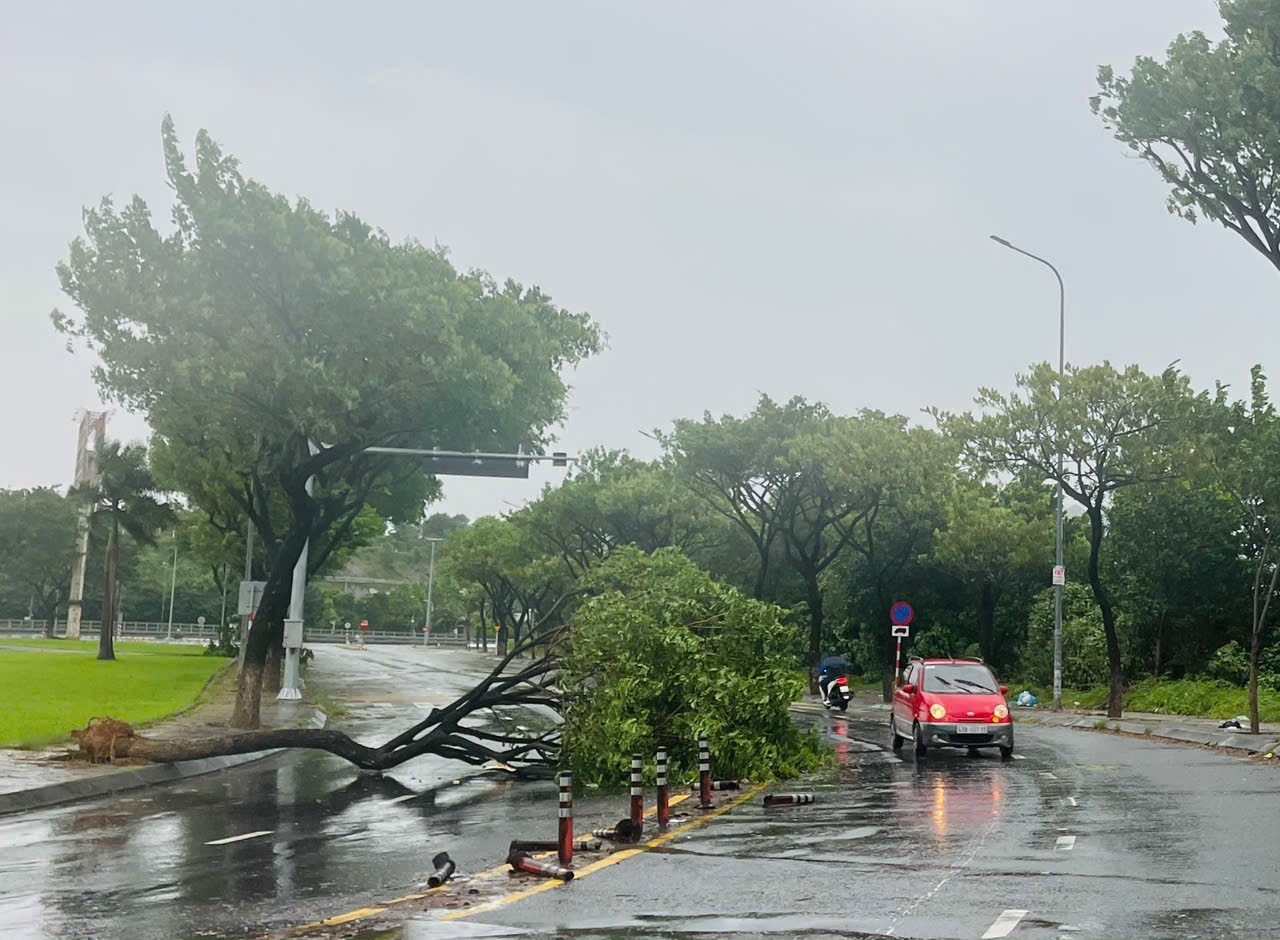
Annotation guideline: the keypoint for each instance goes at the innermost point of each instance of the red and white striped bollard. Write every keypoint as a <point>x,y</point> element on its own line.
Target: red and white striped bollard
<point>664,805</point>
<point>704,772</point>
<point>637,789</point>
<point>565,848</point>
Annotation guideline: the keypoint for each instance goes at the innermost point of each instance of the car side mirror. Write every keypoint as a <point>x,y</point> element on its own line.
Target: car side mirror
<point>908,688</point>
<point>1004,690</point>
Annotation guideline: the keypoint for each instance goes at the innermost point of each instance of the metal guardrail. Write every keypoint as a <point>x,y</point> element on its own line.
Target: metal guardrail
<point>208,631</point>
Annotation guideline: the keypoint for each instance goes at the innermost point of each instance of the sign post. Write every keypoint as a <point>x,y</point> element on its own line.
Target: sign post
<point>900,617</point>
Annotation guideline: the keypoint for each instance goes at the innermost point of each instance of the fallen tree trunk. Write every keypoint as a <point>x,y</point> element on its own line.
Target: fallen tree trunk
<point>442,732</point>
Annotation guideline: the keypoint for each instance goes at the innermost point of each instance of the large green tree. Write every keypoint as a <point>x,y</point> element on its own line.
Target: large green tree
<point>1208,119</point>
<point>770,476</point>
<point>37,549</point>
<point>989,546</point>
<point>900,474</point>
<point>270,345</point>
<point>1175,553</point>
<point>1114,428</point>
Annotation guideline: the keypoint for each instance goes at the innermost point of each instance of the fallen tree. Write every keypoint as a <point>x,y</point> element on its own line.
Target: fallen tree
<point>449,732</point>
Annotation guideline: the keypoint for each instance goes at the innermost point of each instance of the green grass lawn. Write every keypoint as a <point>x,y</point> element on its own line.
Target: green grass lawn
<point>43,695</point>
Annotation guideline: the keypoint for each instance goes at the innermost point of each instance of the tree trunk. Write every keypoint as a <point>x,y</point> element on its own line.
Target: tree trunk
<point>502,640</point>
<point>442,732</point>
<point>1115,701</point>
<point>1255,650</point>
<point>106,633</point>
<point>815,628</point>
<point>273,669</point>
<point>267,627</point>
<point>986,619</point>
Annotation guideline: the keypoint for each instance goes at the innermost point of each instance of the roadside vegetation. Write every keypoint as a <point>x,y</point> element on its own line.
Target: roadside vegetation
<point>45,694</point>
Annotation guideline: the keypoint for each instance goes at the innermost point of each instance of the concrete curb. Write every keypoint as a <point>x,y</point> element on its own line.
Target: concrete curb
<point>133,778</point>
<point>1247,743</point>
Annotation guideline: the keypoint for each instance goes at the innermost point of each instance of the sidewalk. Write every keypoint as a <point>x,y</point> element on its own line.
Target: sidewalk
<point>32,779</point>
<point>1187,729</point>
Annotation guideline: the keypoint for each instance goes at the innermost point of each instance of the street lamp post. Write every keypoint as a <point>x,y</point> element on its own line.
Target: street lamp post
<point>431,581</point>
<point>1062,368</point>
<point>173,586</point>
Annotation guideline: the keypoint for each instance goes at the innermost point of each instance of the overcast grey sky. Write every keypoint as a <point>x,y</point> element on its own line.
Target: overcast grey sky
<point>791,198</point>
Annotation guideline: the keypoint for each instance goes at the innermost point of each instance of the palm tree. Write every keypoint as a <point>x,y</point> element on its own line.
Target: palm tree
<point>126,497</point>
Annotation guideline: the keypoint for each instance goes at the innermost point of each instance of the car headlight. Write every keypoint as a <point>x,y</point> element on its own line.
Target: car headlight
<point>1001,712</point>
<point>937,712</point>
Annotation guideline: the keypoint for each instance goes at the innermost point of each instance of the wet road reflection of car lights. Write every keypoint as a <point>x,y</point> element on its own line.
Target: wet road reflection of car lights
<point>842,740</point>
<point>939,814</point>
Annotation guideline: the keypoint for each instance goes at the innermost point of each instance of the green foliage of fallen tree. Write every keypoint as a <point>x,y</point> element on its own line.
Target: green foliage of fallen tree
<point>662,653</point>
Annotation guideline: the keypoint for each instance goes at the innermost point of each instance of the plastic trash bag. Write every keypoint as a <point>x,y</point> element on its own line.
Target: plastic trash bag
<point>1026,699</point>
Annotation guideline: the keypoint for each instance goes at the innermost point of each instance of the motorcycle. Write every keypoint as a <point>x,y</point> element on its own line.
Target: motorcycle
<point>833,682</point>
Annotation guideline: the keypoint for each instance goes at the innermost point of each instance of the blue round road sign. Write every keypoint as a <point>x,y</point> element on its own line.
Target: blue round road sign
<point>901,613</point>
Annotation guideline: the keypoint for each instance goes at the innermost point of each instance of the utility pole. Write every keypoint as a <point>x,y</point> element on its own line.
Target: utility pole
<point>1059,568</point>
<point>93,429</point>
<point>431,580</point>
<point>291,687</point>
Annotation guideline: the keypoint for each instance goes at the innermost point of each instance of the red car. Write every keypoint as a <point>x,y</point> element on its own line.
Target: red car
<point>951,703</point>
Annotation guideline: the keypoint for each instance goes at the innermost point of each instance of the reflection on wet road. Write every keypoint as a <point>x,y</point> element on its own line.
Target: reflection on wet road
<point>1084,835</point>
<point>171,861</point>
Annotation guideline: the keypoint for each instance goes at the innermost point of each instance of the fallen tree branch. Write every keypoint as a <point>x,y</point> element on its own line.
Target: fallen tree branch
<point>442,732</point>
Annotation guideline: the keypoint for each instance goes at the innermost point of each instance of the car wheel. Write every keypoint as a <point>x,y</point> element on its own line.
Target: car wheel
<point>1006,753</point>
<point>894,738</point>
<point>921,747</point>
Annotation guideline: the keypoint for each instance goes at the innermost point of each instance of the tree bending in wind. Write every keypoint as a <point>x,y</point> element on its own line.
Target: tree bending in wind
<point>1208,119</point>
<point>257,327</point>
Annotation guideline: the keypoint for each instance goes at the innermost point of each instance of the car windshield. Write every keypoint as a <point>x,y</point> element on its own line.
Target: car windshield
<point>959,678</point>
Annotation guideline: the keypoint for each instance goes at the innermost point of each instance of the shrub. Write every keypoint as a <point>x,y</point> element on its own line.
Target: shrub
<point>1229,663</point>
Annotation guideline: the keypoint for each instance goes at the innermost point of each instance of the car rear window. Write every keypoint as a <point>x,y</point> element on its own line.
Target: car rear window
<point>959,678</point>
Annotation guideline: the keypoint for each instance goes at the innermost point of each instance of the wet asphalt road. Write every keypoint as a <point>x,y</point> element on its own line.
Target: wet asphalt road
<point>138,864</point>
<point>1089,834</point>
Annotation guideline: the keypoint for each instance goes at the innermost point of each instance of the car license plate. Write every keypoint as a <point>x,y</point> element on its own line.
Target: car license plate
<point>973,729</point>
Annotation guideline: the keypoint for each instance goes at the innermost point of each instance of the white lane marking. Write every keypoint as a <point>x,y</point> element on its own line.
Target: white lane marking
<point>957,866</point>
<point>1019,757</point>
<point>1004,924</point>
<point>401,799</point>
<point>247,835</point>
<point>1051,776</point>
<point>1072,801</point>
<point>1066,843</point>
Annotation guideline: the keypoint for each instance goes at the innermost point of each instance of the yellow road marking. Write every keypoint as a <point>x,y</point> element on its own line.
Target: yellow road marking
<point>607,861</point>
<point>495,870</point>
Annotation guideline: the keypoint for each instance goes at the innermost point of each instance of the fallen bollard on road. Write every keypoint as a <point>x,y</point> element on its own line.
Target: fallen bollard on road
<point>547,845</point>
<point>788,799</point>
<point>523,861</point>
<point>624,831</point>
<point>721,785</point>
<point>444,869</point>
